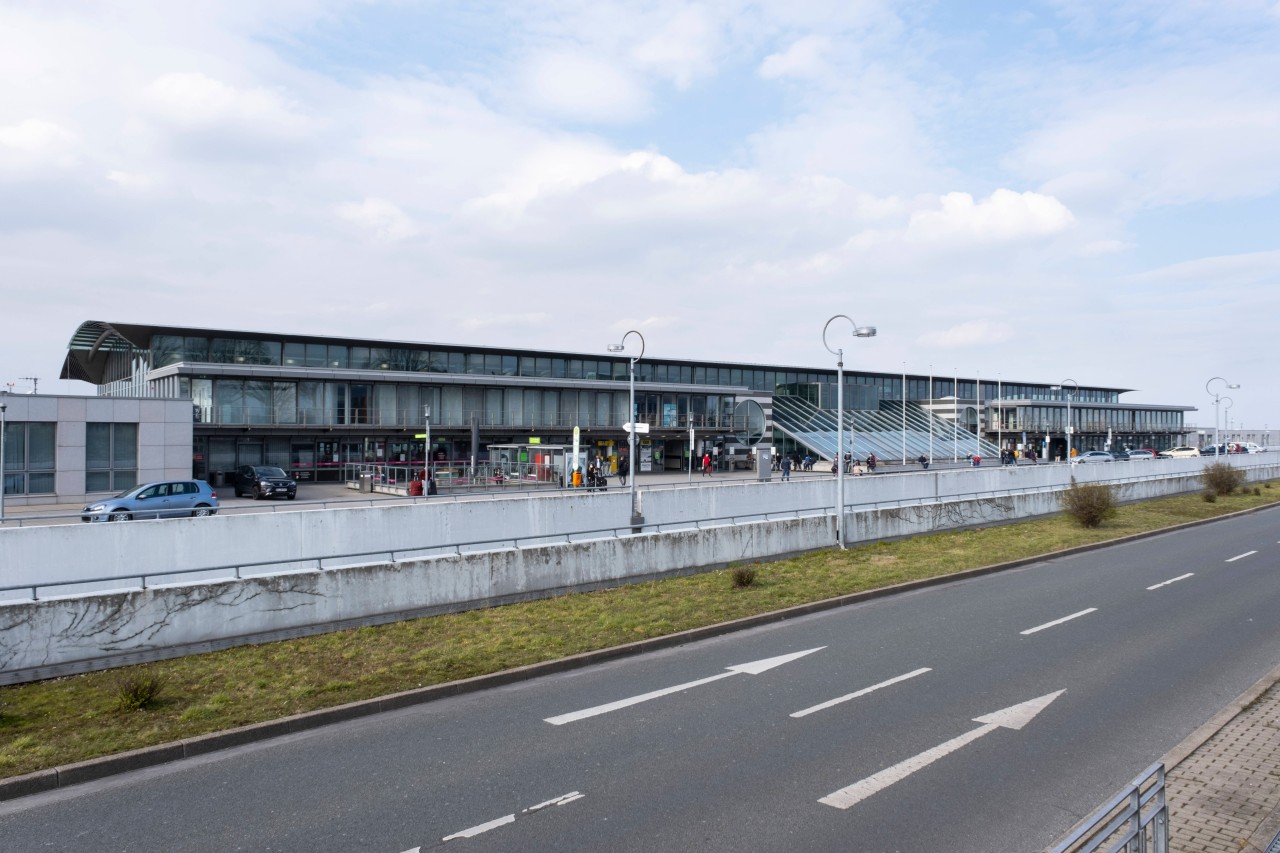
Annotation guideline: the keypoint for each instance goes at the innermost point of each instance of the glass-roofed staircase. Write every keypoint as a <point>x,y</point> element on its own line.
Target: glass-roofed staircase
<point>877,431</point>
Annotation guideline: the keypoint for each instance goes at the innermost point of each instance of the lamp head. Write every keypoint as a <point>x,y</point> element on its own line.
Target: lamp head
<point>864,332</point>
<point>616,347</point>
<point>1233,386</point>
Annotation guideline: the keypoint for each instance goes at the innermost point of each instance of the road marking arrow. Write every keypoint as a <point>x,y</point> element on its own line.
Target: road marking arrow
<point>752,668</point>
<point>1013,717</point>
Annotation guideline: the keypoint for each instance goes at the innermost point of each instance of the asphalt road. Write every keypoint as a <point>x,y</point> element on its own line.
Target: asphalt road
<point>869,728</point>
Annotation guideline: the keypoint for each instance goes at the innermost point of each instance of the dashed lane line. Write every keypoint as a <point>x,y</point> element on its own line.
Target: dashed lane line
<point>1058,621</point>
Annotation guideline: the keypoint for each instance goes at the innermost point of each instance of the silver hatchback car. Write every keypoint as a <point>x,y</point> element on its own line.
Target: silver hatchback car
<point>170,499</point>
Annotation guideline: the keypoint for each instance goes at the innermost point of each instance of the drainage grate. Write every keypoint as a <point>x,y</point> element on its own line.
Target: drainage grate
<point>1274,846</point>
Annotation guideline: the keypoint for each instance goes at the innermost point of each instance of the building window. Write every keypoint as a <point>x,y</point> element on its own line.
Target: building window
<point>29,458</point>
<point>110,457</point>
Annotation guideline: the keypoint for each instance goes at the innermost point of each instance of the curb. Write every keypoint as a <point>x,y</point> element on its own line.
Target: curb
<point>93,769</point>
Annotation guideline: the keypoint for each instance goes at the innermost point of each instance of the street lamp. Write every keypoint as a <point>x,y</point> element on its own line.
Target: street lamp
<point>1217,398</point>
<point>858,332</point>
<point>1226,420</point>
<point>1068,428</point>
<point>3,405</point>
<point>636,518</point>
<point>426,458</point>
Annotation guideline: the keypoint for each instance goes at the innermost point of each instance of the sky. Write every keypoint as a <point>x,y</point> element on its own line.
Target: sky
<point>1034,191</point>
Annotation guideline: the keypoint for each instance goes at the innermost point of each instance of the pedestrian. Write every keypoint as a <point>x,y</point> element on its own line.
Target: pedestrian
<point>808,462</point>
<point>623,470</point>
<point>924,462</point>
<point>431,486</point>
<point>786,468</point>
<point>706,464</point>
<point>857,467</point>
<point>977,460</point>
<point>835,467</point>
<point>871,463</point>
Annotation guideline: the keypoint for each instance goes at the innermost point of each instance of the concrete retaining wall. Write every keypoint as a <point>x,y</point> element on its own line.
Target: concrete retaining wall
<point>49,637</point>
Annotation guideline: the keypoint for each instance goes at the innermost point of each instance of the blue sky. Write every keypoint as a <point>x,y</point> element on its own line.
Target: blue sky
<point>1035,190</point>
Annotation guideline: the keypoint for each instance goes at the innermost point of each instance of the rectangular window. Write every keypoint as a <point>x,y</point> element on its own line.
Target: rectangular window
<point>28,466</point>
<point>110,457</point>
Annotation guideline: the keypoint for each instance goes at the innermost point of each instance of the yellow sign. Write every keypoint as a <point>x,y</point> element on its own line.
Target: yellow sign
<point>533,439</point>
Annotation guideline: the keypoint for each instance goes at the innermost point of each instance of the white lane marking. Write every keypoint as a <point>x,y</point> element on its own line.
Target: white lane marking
<point>561,800</point>
<point>484,827</point>
<point>1241,556</point>
<point>1013,717</point>
<point>863,692</point>
<point>1059,621</point>
<point>751,668</point>
<point>558,801</point>
<point>1172,580</point>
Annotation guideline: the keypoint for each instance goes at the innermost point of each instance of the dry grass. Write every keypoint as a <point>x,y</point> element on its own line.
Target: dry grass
<point>72,719</point>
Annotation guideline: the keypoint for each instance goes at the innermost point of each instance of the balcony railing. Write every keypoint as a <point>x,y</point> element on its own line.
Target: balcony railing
<point>412,419</point>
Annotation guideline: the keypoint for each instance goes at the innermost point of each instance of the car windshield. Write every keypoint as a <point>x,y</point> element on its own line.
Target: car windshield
<point>269,472</point>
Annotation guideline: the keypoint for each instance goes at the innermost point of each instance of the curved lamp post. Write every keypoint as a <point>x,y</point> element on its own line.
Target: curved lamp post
<point>1226,420</point>
<point>858,332</point>
<point>1068,429</point>
<point>1217,398</point>
<point>636,518</point>
<point>3,405</point>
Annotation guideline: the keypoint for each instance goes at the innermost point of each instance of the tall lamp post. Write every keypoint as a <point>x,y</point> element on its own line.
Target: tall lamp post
<point>426,458</point>
<point>858,332</point>
<point>1226,420</point>
<point>1217,398</point>
<point>3,405</point>
<point>636,518</point>
<point>1067,428</point>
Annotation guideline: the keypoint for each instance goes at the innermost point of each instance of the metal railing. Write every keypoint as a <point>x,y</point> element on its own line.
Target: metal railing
<point>1135,820</point>
<point>238,570</point>
<point>412,418</point>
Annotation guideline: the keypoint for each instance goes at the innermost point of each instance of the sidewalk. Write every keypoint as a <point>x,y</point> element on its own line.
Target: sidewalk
<point>1223,782</point>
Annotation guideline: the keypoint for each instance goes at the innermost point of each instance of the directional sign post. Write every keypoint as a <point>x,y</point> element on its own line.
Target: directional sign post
<point>1013,717</point>
<point>641,428</point>
<point>752,668</point>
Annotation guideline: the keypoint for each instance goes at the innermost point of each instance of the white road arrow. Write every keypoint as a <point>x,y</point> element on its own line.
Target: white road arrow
<point>1013,717</point>
<point>753,668</point>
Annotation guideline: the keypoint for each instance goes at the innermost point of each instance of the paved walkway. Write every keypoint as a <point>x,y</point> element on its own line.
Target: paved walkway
<point>1223,782</point>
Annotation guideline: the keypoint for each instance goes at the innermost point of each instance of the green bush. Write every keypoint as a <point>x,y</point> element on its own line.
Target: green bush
<point>743,576</point>
<point>1221,479</point>
<point>1089,504</point>
<point>137,690</point>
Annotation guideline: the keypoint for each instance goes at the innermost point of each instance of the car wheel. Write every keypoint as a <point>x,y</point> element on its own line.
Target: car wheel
<point>202,511</point>
<point>292,496</point>
<point>257,493</point>
<point>118,516</point>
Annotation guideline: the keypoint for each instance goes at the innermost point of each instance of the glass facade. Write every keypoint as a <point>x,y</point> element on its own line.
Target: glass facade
<point>110,457</point>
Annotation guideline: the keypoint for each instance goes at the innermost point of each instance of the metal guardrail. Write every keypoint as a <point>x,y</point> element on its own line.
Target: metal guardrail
<point>1135,820</point>
<point>236,571</point>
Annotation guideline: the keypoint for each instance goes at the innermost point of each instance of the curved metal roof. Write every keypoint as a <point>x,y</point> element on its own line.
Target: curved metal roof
<point>93,344</point>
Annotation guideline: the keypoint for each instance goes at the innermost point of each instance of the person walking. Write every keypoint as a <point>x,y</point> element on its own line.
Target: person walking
<point>623,469</point>
<point>786,468</point>
<point>706,464</point>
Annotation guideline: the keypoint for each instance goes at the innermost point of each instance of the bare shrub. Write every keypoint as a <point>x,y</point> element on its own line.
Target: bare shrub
<point>1089,504</point>
<point>137,690</point>
<point>1210,497</point>
<point>1221,478</point>
<point>743,576</point>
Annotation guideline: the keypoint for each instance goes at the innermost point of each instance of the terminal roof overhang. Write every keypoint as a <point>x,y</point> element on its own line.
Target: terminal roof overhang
<point>95,341</point>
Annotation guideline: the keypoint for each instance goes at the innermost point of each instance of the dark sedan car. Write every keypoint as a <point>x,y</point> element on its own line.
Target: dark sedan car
<point>264,481</point>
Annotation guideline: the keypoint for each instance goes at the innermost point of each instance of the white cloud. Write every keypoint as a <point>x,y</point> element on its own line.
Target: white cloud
<point>683,49</point>
<point>804,58</point>
<point>35,143</point>
<point>1004,216</point>
<point>584,88</point>
<point>380,219</point>
<point>967,334</point>
<point>195,101</point>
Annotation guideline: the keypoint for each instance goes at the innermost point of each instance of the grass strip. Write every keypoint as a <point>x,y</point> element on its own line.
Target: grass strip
<point>64,720</point>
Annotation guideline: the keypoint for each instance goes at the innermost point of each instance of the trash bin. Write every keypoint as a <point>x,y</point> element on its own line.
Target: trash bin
<point>366,482</point>
<point>217,479</point>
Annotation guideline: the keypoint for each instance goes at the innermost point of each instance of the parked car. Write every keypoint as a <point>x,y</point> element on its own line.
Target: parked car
<point>1176,452</point>
<point>169,499</point>
<point>1120,455</point>
<point>264,481</point>
<point>1094,456</point>
<point>1213,450</point>
<point>1136,455</point>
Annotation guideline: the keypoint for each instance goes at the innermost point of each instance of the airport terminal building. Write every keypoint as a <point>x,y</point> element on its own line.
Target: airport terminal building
<point>311,404</point>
